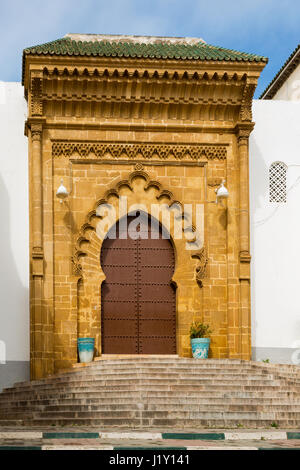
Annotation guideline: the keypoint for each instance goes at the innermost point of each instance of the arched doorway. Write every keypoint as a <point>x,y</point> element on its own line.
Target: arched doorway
<point>138,299</point>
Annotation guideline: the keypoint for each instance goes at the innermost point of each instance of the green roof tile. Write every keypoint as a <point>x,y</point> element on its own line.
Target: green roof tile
<point>202,51</point>
<point>157,50</point>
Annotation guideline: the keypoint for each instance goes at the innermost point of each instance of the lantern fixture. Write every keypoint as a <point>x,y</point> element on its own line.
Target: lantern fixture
<point>62,192</point>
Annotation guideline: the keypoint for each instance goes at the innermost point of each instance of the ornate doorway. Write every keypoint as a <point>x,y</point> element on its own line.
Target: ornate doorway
<point>138,308</point>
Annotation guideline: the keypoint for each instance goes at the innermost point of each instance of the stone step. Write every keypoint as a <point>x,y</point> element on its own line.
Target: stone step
<point>187,406</point>
<point>151,373</point>
<point>168,401</point>
<point>159,420</point>
<point>271,365</point>
<point>261,405</point>
<point>121,365</point>
<point>77,375</point>
<point>154,414</point>
<point>153,392</point>
<point>170,360</point>
<point>156,400</point>
<point>174,389</point>
<point>164,365</point>
<point>150,391</point>
<point>170,369</point>
<point>107,380</point>
<point>144,372</point>
<point>159,385</point>
<point>115,376</point>
<point>155,423</point>
<point>11,423</point>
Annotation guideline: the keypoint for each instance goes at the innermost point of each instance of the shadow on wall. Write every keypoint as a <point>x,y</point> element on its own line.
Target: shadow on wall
<point>14,304</point>
<point>258,189</point>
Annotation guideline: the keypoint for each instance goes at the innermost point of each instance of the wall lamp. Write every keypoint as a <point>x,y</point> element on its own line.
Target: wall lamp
<point>221,193</point>
<point>62,192</point>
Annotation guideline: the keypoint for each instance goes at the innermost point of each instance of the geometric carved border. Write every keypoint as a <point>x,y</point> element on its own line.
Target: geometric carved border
<point>140,150</point>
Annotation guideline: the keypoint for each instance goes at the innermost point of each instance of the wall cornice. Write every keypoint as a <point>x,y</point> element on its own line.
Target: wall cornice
<point>182,127</point>
<point>38,63</point>
<point>143,92</point>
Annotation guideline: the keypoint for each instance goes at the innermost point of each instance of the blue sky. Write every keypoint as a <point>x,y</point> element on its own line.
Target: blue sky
<point>265,27</point>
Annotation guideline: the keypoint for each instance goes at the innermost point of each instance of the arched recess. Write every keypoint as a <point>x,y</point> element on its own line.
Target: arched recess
<point>141,194</point>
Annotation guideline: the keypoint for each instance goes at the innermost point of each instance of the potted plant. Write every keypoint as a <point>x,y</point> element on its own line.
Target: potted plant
<point>86,348</point>
<point>200,340</point>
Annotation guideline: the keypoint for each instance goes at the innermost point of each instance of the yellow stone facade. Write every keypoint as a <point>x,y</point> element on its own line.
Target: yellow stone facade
<point>153,130</point>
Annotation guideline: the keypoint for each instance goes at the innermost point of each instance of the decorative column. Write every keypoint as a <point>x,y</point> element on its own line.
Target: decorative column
<point>37,255</point>
<point>243,131</point>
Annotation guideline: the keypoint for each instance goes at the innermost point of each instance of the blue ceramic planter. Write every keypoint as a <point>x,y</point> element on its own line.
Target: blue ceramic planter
<point>86,349</point>
<point>200,347</point>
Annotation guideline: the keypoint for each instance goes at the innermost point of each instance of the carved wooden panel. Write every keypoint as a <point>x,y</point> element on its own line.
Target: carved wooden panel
<point>138,299</point>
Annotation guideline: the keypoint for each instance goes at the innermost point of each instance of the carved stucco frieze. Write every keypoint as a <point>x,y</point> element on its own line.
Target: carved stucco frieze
<point>137,151</point>
<point>36,96</point>
<point>246,105</point>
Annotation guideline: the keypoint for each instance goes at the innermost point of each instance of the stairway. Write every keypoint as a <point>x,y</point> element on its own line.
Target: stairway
<point>159,392</point>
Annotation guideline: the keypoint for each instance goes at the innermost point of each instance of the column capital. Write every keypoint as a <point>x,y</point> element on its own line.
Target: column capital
<point>245,257</point>
<point>36,132</point>
<point>37,261</point>
<point>35,124</point>
<point>245,260</point>
<point>36,127</point>
<point>243,131</point>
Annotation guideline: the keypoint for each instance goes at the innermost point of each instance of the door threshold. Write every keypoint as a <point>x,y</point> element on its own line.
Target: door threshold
<point>134,356</point>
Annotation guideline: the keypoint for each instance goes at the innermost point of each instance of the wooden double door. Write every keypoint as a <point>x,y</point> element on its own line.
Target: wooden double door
<point>138,300</point>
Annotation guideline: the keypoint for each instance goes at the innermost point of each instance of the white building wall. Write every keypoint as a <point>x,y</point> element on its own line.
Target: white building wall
<point>275,232</point>
<point>290,90</point>
<point>14,236</point>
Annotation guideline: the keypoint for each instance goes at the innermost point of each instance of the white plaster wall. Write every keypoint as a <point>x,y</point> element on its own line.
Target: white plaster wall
<point>275,228</point>
<point>290,90</point>
<point>14,238</point>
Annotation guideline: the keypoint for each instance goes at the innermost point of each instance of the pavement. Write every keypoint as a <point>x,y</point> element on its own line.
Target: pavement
<point>85,438</point>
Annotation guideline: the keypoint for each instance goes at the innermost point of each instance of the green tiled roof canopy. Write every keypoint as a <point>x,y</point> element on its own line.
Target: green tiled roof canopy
<point>157,50</point>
